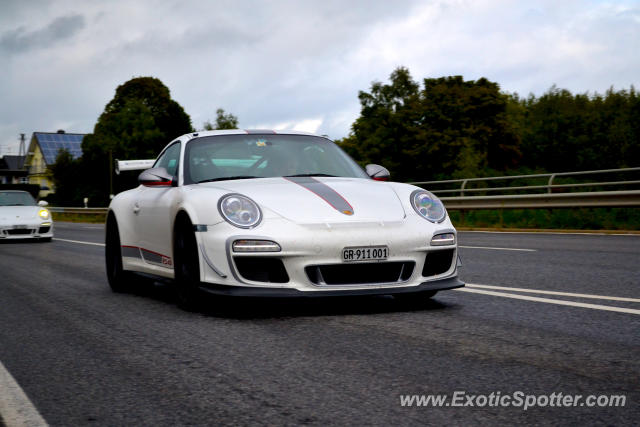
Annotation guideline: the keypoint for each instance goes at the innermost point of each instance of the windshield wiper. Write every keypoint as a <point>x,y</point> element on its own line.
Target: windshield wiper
<point>226,178</point>
<point>308,174</point>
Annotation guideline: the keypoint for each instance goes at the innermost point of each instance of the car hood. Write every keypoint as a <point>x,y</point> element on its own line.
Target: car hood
<point>321,199</point>
<point>13,214</point>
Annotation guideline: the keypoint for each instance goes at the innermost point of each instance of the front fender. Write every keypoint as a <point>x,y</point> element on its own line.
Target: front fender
<point>122,208</point>
<point>201,204</point>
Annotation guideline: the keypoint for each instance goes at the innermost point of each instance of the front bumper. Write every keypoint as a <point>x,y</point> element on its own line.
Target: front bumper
<point>29,230</point>
<point>307,247</point>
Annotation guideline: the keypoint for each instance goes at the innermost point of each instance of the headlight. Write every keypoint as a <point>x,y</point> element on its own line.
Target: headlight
<point>43,213</point>
<point>428,206</point>
<point>239,210</point>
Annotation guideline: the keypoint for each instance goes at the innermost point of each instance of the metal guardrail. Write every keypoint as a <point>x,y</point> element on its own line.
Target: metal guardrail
<point>516,201</point>
<point>555,195</point>
<point>80,211</point>
<point>596,199</point>
<point>549,186</point>
<point>552,198</point>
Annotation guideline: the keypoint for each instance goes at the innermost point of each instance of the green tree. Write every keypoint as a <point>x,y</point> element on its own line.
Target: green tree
<point>65,176</point>
<point>466,126</point>
<point>562,132</point>
<point>136,124</point>
<point>450,127</point>
<point>223,121</point>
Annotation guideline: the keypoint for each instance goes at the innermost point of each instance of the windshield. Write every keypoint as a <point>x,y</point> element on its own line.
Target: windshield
<point>16,198</point>
<point>221,157</point>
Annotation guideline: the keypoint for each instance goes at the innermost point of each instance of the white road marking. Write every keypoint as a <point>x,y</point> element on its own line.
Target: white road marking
<point>498,249</point>
<point>566,294</point>
<point>79,241</point>
<point>551,301</point>
<point>16,410</point>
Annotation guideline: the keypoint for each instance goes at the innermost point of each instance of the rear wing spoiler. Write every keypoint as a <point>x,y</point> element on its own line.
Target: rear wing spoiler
<point>132,165</point>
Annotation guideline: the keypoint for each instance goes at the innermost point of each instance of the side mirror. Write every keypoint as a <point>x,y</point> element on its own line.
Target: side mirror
<point>156,177</point>
<point>43,203</point>
<point>377,172</point>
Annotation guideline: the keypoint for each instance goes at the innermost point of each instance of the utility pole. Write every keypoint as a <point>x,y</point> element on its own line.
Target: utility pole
<point>22,150</point>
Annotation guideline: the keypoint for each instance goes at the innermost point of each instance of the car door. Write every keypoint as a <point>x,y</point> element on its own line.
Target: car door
<point>153,213</point>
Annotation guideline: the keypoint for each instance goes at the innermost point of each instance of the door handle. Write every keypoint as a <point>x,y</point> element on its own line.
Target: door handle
<point>136,209</point>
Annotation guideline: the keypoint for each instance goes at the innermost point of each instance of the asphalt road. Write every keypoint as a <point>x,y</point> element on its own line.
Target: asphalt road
<point>85,356</point>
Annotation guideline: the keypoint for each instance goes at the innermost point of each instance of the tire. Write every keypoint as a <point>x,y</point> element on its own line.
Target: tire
<point>186,265</point>
<point>119,279</point>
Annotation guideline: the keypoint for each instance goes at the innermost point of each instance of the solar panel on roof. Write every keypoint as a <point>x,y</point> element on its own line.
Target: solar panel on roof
<point>52,143</point>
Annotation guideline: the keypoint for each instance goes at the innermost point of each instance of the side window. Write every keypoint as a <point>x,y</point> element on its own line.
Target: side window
<point>170,159</point>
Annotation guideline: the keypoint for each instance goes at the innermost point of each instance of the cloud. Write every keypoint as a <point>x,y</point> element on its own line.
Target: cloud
<point>21,40</point>
<point>295,63</point>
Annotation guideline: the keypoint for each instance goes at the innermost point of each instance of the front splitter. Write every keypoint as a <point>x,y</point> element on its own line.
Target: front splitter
<point>246,291</point>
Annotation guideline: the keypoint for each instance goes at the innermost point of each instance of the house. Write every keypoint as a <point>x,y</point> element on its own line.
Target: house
<point>12,170</point>
<point>42,153</point>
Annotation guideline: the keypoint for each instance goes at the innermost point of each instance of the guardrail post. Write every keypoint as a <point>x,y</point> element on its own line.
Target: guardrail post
<point>464,184</point>
<point>550,183</point>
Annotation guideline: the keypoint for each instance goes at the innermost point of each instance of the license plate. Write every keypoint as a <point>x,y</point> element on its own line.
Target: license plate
<point>19,226</point>
<point>365,253</point>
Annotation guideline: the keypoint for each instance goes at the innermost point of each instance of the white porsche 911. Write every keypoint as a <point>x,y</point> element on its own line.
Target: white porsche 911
<point>22,218</point>
<point>264,213</point>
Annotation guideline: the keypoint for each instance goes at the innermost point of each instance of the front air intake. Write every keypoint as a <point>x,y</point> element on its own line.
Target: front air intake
<point>438,262</point>
<point>360,274</point>
<point>261,269</point>
<point>19,231</point>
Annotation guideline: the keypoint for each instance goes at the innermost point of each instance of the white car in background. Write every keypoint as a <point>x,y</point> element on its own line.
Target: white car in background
<point>22,218</point>
<point>265,213</point>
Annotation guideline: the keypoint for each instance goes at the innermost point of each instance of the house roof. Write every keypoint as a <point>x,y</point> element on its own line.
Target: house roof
<point>52,142</point>
<point>12,162</point>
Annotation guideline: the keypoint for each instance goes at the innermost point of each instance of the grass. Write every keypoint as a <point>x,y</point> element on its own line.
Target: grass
<point>90,218</point>
<point>561,219</point>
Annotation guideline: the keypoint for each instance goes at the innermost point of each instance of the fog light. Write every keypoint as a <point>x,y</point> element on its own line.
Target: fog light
<point>255,246</point>
<point>443,239</point>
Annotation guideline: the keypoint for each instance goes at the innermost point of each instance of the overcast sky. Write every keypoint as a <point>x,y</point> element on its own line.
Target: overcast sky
<point>294,64</point>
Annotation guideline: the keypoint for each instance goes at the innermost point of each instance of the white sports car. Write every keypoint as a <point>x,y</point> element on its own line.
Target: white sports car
<point>265,213</point>
<point>22,218</point>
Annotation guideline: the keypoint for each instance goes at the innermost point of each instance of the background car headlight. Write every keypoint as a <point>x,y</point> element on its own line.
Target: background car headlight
<point>428,206</point>
<point>239,210</point>
<point>43,213</point>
